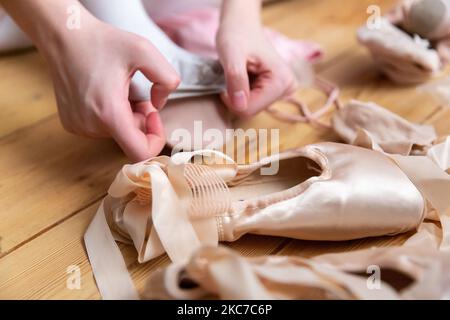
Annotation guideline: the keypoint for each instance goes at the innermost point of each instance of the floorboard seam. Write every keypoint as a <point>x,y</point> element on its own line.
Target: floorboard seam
<point>29,126</point>
<point>48,228</point>
<point>432,114</point>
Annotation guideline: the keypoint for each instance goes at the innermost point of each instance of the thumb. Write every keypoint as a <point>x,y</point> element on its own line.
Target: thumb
<point>236,76</point>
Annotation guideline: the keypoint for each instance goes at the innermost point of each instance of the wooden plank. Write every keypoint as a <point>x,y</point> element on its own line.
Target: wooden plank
<point>441,121</point>
<point>38,269</point>
<point>26,93</point>
<point>47,175</point>
<point>331,23</point>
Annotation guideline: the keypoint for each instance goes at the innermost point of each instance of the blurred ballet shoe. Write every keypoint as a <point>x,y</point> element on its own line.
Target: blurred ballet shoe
<point>409,272</point>
<point>403,58</point>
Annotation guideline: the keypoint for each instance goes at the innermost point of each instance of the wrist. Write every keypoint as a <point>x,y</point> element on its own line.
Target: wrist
<point>240,14</point>
<point>55,37</point>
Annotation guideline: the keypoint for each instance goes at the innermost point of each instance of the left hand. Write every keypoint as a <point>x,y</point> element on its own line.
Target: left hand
<point>256,76</point>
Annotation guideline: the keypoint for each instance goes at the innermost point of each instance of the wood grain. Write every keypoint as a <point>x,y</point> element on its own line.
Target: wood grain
<point>51,182</point>
<point>47,175</point>
<point>26,93</point>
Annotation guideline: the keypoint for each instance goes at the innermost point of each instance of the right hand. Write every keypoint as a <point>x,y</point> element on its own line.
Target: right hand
<point>92,69</point>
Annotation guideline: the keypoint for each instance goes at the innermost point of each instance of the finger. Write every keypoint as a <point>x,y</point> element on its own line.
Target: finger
<point>158,70</point>
<point>140,121</point>
<point>275,83</point>
<point>235,68</point>
<point>143,107</point>
<point>137,144</point>
<point>151,125</point>
<point>155,127</point>
<point>266,92</point>
<point>141,110</point>
<point>226,100</point>
<point>155,133</point>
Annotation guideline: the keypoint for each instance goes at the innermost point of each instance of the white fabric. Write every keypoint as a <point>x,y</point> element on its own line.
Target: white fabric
<point>199,75</point>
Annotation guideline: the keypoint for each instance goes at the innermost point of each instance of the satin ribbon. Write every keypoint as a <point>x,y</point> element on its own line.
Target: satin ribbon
<point>176,234</point>
<point>434,184</point>
<point>427,173</point>
<point>330,90</point>
<point>108,266</point>
<point>170,219</point>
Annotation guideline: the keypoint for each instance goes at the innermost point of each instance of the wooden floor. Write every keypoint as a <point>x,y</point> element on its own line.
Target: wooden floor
<point>51,182</point>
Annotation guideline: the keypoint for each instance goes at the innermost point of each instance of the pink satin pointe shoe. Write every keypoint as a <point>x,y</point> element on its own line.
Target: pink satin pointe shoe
<point>403,58</point>
<point>175,205</point>
<point>429,19</point>
<point>356,121</point>
<point>365,124</point>
<point>382,273</point>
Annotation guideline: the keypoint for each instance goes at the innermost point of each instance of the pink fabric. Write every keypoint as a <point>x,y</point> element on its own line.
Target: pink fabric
<point>307,116</point>
<point>195,31</point>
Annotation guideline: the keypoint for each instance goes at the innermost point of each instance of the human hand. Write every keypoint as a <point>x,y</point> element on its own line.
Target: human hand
<point>91,70</point>
<point>256,75</point>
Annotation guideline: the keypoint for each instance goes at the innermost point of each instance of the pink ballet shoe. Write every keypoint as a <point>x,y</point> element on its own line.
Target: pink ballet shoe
<point>429,19</point>
<point>318,192</point>
<point>401,57</point>
<point>390,132</point>
<point>365,124</point>
<point>391,273</point>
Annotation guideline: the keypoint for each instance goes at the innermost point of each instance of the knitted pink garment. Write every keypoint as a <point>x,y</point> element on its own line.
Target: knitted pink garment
<point>195,29</point>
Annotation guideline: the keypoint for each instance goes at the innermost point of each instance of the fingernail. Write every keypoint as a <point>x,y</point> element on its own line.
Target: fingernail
<point>240,100</point>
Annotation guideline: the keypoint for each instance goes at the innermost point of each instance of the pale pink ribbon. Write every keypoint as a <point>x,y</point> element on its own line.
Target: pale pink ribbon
<point>426,174</point>
<point>169,215</point>
<point>306,115</point>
